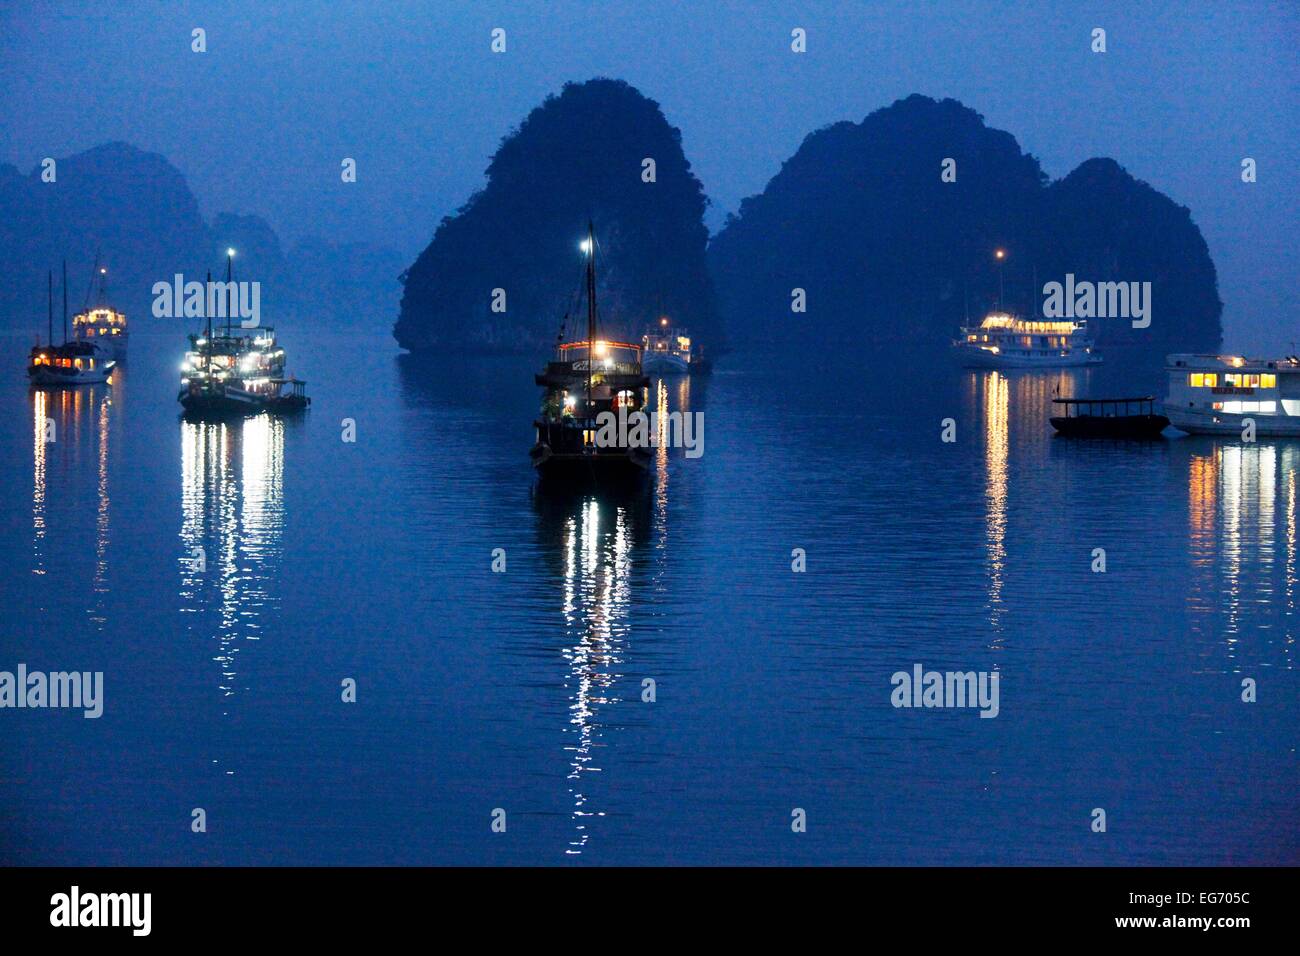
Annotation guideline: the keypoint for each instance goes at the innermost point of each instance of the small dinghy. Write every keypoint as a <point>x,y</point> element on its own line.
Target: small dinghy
<point>1109,418</point>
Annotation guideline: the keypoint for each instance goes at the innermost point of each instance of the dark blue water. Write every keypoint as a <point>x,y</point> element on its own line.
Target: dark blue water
<point>523,691</point>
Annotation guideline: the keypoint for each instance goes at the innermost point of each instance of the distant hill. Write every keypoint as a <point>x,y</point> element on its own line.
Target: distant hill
<point>138,212</point>
<point>578,154</point>
<point>860,218</point>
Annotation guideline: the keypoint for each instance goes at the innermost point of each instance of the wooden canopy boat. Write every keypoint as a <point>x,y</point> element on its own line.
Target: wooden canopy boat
<point>1109,417</point>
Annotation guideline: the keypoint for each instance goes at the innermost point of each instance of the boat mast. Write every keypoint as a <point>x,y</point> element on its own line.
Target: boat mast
<point>230,258</point>
<point>207,337</point>
<point>91,287</point>
<point>591,306</point>
<point>65,300</point>
<point>50,316</point>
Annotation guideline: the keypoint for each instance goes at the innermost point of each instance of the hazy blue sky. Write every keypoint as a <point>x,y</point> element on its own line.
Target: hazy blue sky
<point>411,90</point>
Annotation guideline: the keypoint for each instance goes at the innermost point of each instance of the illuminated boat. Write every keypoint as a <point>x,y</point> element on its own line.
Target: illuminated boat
<point>665,350</point>
<point>237,371</point>
<point>1217,394</point>
<point>588,378</point>
<point>74,362</point>
<point>102,324</point>
<point>1004,340</point>
<point>1109,417</point>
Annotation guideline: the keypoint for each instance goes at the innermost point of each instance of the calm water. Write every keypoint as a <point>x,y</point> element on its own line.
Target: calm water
<point>372,561</point>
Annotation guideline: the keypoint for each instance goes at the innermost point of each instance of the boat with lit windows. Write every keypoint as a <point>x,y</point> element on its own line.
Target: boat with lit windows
<point>1004,340</point>
<point>1109,417</point>
<point>75,362</point>
<point>665,350</point>
<point>586,379</point>
<point>1216,394</point>
<point>101,324</point>
<point>237,371</point>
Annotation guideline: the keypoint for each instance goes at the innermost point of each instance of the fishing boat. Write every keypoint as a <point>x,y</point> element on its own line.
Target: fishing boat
<point>1109,417</point>
<point>585,379</point>
<point>237,371</point>
<point>665,350</point>
<point>1217,394</point>
<point>101,324</point>
<point>75,362</point>
<point>1003,340</point>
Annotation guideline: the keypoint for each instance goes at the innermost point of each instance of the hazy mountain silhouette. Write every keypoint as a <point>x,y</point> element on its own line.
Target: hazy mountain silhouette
<point>860,218</point>
<point>137,210</point>
<point>577,155</point>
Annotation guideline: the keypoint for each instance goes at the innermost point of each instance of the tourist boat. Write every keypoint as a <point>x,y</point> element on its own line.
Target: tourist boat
<point>585,379</point>
<point>1109,417</point>
<point>75,362</point>
<point>1216,394</point>
<point>665,350</point>
<point>1004,340</point>
<point>102,324</point>
<point>237,371</point>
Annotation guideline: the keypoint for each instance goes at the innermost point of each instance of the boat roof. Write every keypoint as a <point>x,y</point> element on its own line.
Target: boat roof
<point>1102,401</point>
<point>565,346</point>
<point>1191,360</point>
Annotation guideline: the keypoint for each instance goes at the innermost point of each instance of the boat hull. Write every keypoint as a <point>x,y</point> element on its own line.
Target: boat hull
<point>52,377</point>
<point>664,363</point>
<point>1197,422</point>
<point>983,358</point>
<point>1121,426</point>
<point>626,465</point>
<point>221,405</point>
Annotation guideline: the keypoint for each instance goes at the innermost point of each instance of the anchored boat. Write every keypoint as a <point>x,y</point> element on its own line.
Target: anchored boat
<point>102,324</point>
<point>1109,417</point>
<point>1004,340</point>
<point>588,378</point>
<point>75,362</point>
<point>237,371</point>
<point>1216,394</point>
<point>665,350</point>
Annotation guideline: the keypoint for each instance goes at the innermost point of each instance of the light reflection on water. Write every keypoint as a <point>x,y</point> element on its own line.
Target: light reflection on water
<point>522,690</point>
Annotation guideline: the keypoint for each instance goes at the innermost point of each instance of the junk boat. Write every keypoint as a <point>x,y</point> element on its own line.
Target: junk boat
<point>1216,394</point>
<point>665,350</point>
<point>1004,340</point>
<point>102,324</point>
<point>1109,417</point>
<point>237,371</point>
<point>585,379</point>
<point>75,362</point>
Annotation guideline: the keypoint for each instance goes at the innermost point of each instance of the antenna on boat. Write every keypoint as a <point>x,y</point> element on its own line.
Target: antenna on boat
<point>207,337</point>
<point>50,317</point>
<point>230,261</point>
<point>91,286</point>
<point>65,303</point>
<point>591,306</point>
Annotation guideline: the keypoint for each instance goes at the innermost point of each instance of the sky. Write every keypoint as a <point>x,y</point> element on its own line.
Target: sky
<point>261,121</point>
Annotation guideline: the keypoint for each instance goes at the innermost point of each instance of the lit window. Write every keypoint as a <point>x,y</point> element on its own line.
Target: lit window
<point>1268,380</point>
<point>1253,381</point>
<point>1211,379</point>
<point>1196,380</point>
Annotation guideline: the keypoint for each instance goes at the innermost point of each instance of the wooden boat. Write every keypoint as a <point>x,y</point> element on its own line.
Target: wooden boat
<point>75,362</point>
<point>588,382</point>
<point>1109,418</point>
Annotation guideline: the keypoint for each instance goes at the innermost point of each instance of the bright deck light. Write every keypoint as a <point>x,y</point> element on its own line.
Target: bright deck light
<point>230,252</point>
<point>1000,254</point>
<point>585,245</point>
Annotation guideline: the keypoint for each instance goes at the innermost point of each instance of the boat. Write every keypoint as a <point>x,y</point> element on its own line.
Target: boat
<point>1004,340</point>
<point>237,371</point>
<point>1109,417</point>
<point>665,350</point>
<point>1217,394</point>
<point>75,362</point>
<point>585,379</point>
<point>101,324</point>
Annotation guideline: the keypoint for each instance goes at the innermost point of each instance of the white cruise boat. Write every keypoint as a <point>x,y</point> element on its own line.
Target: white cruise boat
<point>1004,340</point>
<point>1215,394</point>
<point>101,324</point>
<point>665,350</point>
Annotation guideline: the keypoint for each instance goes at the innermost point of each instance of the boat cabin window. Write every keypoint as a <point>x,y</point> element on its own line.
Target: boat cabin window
<point>1203,380</point>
